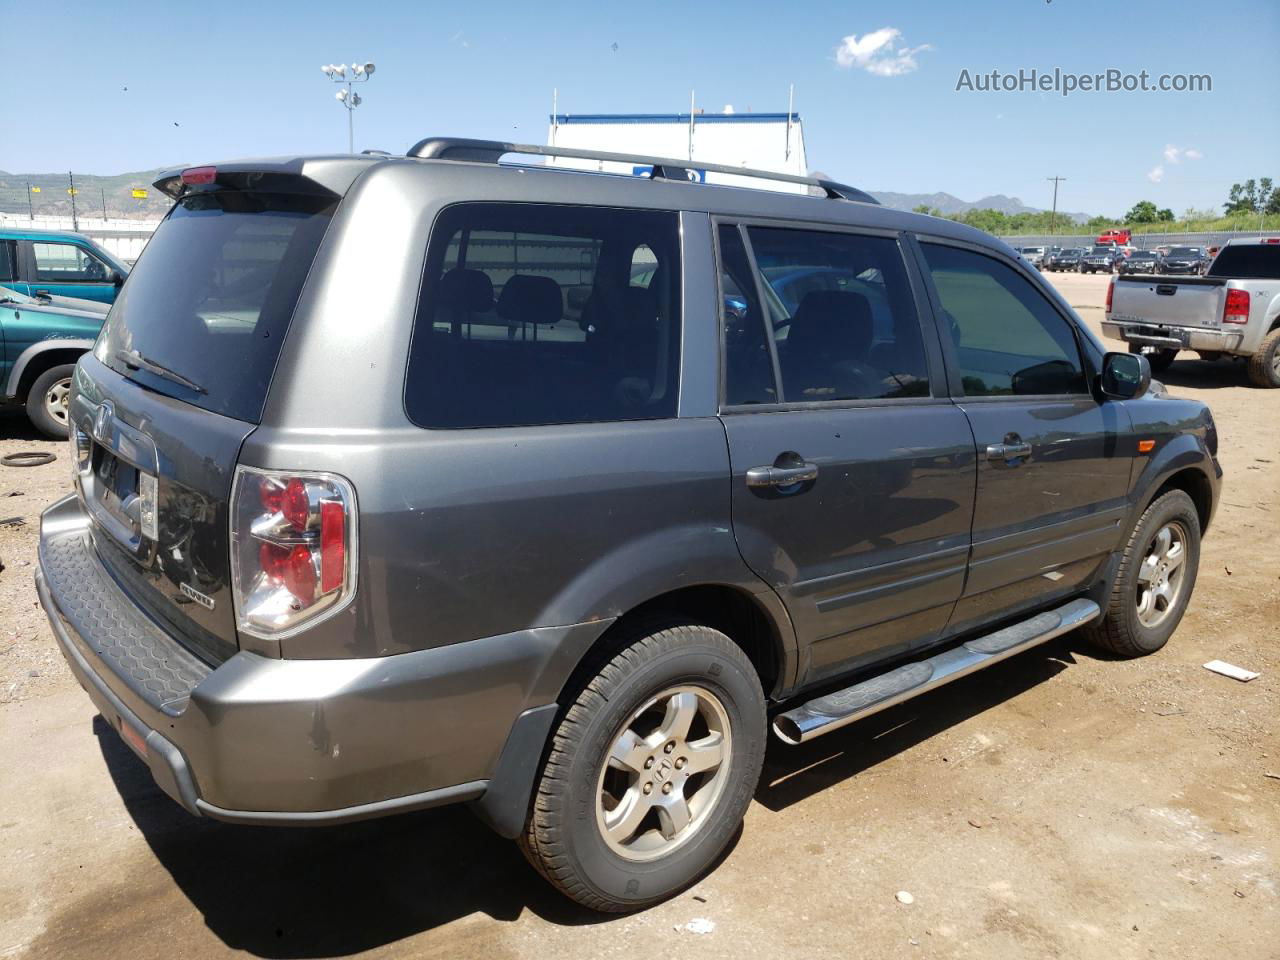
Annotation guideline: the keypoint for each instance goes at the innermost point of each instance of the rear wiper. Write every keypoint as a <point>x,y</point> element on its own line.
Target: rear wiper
<point>136,361</point>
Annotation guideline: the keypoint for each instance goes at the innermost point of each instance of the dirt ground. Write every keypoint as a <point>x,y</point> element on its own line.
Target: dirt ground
<point>1056,805</point>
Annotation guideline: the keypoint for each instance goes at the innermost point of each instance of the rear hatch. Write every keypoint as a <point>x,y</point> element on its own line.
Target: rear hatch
<point>178,379</point>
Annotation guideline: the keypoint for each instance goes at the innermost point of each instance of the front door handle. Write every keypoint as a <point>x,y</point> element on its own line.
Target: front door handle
<point>1008,451</point>
<point>782,476</point>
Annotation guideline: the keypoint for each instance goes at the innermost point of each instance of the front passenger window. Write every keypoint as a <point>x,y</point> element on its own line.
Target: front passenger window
<point>1009,340</point>
<point>67,263</point>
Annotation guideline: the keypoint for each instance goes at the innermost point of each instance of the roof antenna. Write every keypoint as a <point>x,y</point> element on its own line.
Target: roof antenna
<point>555,117</point>
<point>791,102</point>
<point>692,102</point>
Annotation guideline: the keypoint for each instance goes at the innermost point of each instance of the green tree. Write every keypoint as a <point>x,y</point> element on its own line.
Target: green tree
<point>1165,215</point>
<point>1273,201</point>
<point>1144,211</point>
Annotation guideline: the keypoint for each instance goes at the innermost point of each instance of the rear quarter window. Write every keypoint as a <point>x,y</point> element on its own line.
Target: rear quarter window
<point>541,314</point>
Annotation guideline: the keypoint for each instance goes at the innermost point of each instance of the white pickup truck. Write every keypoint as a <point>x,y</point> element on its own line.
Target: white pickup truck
<point>1233,310</point>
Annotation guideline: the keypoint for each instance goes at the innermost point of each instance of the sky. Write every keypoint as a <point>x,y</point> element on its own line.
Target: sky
<point>107,88</point>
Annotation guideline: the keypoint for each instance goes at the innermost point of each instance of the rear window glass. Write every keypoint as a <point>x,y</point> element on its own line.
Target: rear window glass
<point>1259,261</point>
<point>205,311</point>
<point>540,314</point>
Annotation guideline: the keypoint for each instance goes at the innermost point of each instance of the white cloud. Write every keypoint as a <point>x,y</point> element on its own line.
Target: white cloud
<point>1155,174</point>
<point>1175,154</point>
<point>878,52</point>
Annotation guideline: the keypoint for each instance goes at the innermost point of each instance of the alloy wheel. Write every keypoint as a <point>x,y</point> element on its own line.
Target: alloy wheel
<point>1162,574</point>
<point>665,771</point>
<point>56,400</point>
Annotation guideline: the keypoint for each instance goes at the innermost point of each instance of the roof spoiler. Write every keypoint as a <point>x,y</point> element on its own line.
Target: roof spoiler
<point>313,175</point>
<point>664,168</point>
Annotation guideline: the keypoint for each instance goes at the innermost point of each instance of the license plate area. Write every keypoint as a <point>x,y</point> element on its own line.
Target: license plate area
<point>117,482</point>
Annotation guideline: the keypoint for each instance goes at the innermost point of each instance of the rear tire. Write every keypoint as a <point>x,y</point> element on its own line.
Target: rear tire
<point>47,401</point>
<point>1154,583</point>
<point>1160,360</point>
<point>616,823</point>
<point>1264,366</point>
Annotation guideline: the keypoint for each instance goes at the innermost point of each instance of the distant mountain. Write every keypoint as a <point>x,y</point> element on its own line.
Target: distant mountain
<point>53,200</point>
<point>948,204</point>
<point>92,190</point>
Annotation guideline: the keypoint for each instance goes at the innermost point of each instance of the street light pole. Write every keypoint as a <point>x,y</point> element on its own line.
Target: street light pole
<point>1053,217</point>
<point>360,73</point>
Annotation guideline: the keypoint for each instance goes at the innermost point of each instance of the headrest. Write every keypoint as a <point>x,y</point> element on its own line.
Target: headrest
<point>833,325</point>
<point>470,290</point>
<point>529,299</point>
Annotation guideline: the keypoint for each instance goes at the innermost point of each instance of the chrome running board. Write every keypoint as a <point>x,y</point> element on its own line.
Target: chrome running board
<point>834,710</point>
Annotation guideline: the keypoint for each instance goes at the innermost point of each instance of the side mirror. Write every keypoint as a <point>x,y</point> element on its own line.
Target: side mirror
<point>735,308</point>
<point>116,278</point>
<point>1125,376</point>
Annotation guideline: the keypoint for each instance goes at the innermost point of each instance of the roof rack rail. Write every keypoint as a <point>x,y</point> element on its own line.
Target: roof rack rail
<point>664,168</point>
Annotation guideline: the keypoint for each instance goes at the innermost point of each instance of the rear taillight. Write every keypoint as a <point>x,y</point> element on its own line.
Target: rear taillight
<point>293,538</point>
<point>1111,289</point>
<point>1236,309</point>
<point>196,175</point>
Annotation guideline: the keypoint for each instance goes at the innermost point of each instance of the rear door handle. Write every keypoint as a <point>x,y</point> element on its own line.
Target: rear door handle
<point>782,476</point>
<point>1008,451</point>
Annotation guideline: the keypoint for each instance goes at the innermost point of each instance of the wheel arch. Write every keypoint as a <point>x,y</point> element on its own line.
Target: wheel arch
<point>38,358</point>
<point>756,622</point>
<point>1195,484</point>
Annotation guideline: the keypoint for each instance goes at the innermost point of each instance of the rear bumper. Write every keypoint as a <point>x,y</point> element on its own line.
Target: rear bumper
<point>260,740</point>
<point>1174,338</point>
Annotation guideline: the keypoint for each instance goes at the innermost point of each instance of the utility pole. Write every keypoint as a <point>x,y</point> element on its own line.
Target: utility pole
<point>75,221</point>
<point>31,210</point>
<point>1053,217</point>
<point>104,205</point>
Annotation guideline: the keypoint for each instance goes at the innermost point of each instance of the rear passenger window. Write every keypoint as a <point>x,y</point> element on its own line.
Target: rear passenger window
<point>843,320</point>
<point>538,314</point>
<point>1009,339</point>
<point>8,261</point>
<point>748,364</point>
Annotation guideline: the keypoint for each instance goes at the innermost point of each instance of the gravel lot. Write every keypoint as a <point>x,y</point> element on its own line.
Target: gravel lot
<point>1056,805</point>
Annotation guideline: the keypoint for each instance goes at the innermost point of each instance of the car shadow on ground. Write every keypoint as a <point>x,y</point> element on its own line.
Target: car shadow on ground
<point>334,891</point>
<point>14,425</point>
<point>1205,374</point>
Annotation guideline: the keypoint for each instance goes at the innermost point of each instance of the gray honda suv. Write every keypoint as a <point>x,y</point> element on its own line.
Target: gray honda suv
<point>404,481</point>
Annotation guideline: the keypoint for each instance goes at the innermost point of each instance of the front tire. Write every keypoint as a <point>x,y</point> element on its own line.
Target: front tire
<point>47,401</point>
<point>650,771</point>
<point>1154,583</point>
<point>1264,366</point>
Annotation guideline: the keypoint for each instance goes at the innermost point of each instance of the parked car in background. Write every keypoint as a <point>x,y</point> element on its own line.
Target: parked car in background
<point>1119,236</point>
<point>41,338</point>
<point>1102,258</point>
<point>340,545</point>
<point>1234,310</point>
<point>1034,256</point>
<point>1185,260</point>
<point>1066,259</point>
<point>1140,261</point>
<point>61,264</point>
